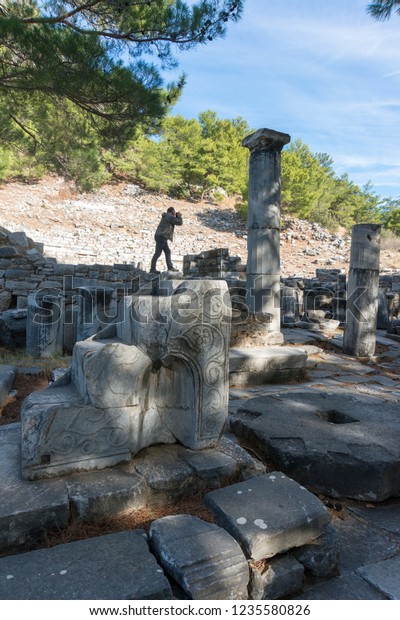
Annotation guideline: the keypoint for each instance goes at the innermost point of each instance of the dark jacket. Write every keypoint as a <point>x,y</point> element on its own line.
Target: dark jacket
<point>167,224</point>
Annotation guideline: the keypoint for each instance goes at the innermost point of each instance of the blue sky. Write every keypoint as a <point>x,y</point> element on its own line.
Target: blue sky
<point>320,70</point>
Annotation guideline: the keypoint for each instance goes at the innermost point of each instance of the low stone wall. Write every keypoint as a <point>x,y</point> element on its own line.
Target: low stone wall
<point>25,273</point>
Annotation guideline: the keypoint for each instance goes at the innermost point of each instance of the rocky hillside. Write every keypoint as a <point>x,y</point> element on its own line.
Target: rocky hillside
<point>116,225</point>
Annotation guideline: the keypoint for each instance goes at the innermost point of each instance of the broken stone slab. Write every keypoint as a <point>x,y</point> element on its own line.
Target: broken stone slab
<point>280,577</point>
<point>247,466</point>
<point>176,471</point>
<point>321,558</point>
<point>27,509</point>
<point>211,465</point>
<point>334,443</point>
<point>165,470</point>
<point>7,376</point>
<point>202,557</point>
<point>384,576</point>
<point>112,567</point>
<point>268,514</point>
<point>266,365</point>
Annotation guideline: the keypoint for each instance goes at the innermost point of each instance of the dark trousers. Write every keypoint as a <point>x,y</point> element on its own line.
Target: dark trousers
<point>161,246</point>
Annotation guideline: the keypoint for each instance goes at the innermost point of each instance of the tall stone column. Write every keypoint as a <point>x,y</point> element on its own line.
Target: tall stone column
<point>263,234</point>
<point>362,291</point>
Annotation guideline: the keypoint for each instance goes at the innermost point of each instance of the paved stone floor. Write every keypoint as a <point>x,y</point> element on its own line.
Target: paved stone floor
<point>369,533</point>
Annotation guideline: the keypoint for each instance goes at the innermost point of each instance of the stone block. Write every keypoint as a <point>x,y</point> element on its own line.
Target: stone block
<point>266,365</point>
<point>18,238</point>
<point>162,379</point>
<point>44,337</point>
<point>101,495</point>
<point>203,558</point>
<point>61,434</point>
<point>280,577</point>
<point>164,469</point>
<point>8,251</point>
<point>322,557</point>
<point>113,567</point>
<point>27,509</point>
<point>211,465</point>
<point>268,514</point>
<point>326,443</point>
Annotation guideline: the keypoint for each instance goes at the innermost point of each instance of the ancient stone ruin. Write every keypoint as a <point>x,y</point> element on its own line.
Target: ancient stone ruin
<point>141,419</point>
<point>157,375</point>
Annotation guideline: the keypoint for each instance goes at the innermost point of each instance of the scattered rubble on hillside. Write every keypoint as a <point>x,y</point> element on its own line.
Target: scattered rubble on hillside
<point>116,224</point>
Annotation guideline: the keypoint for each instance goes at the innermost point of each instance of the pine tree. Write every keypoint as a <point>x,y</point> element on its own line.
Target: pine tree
<point>383,9</point>
<point>104,58</point>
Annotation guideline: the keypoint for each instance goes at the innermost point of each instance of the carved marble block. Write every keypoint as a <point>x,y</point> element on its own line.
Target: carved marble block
<point>158,374</point>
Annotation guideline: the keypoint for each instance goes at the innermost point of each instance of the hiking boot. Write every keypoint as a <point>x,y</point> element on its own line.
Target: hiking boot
<point>173,269</point>
<point>155,271</point>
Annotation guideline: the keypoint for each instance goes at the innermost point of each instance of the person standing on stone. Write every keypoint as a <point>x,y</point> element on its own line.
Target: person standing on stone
<point>163,234</point>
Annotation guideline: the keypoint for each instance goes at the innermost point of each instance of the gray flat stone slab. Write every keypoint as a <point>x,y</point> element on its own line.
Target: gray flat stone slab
<point>178,470</point>
<point>113,567</point>
<point>268,514</point>
<point>7,376</point>
<point>202,557</point>
<point>385,576</point>
<point>351,378</point>
<point>349,587</point>
<point>339,444</point>
<point>266,365</point>
<point>99,495</point>
<point>362,544</point>
<point>26,508</point>
<point>384,517</point>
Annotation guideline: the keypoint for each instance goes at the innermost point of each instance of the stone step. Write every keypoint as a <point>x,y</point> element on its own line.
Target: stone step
<point>258,365</point>
<point>268,514</point>
<point>112,567</point>
<point>202,557</point>
<point>160,473</point>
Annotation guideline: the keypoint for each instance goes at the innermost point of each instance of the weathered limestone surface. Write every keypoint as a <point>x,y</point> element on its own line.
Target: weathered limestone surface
<point>268,514</point>
<point>321,558</point>
<point>362,291</point>
<point>263,223</point>
<point>97,307</point>
<point>44,337</point>
<point>339,446</point>
<point>158,374</point>
<point>113,567</point>
<point>261,365</point>
<point>202,557</point>
<point>384,576</point>
<point>26,508</point>
<point>280,578</point>
<point>103,495</point>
